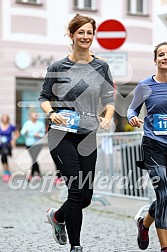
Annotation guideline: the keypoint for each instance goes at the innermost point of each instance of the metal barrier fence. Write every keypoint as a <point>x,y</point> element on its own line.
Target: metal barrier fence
<point>116,170</point>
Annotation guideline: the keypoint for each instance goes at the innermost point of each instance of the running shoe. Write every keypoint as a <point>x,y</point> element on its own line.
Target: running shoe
<point>29,178</point>
<point>58,181</point>
<point>77,249</point>
<point>142,238</point>
<point>59,232</point>
<point>35,178</point>
<point>6,177</point>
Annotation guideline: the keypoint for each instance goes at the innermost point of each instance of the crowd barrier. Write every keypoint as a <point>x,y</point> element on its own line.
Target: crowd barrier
<point>116,170</point>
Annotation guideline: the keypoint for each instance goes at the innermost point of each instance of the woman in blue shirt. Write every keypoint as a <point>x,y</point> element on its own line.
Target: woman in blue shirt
<point>153,92</point>
<point>8,136</point>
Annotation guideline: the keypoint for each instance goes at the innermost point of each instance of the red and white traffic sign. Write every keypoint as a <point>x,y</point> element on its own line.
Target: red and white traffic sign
<point>111,34</point>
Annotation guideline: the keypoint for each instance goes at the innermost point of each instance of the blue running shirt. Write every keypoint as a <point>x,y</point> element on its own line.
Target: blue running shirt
<point>154,95</point>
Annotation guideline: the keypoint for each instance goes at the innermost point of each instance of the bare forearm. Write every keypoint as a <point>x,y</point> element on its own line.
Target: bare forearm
<point>105,122</point>
<point>109,111</point>
<point>46,106</point>
<point>54,117</point>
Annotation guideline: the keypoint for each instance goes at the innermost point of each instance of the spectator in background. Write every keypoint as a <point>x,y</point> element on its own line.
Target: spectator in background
<point>33,130</point>
<point>8,136</point>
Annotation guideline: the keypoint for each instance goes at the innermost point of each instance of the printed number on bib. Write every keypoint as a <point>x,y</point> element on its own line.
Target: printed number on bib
<point>160,124</point>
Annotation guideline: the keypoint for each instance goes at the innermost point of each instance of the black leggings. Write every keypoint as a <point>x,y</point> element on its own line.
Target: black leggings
<point>4,159</point>
<point>155,159</point>
<point>5,151</point>
<point>75,156</point>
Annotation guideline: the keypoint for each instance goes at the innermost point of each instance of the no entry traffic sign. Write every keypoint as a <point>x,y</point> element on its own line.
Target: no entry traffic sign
<point>111,34</point>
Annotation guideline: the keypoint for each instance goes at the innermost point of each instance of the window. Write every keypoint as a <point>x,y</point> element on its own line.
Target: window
<point>137,7</point>
<point>27,93</point>
<point>85,4</point>
<point>37,2</point>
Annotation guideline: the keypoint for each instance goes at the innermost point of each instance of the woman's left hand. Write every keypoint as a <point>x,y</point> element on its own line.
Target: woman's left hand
<point>105,123</point>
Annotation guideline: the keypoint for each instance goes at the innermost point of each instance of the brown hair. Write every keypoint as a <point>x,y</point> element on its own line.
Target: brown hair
<point>157,47</point>
<point>78,21</point>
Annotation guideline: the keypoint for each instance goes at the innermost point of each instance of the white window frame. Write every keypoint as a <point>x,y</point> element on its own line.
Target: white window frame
<point>29,1</point>
<point>81,5</point>
<point>133,7</point>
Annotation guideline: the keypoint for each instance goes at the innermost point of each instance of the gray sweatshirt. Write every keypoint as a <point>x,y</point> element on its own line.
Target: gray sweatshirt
<point>81,87</point>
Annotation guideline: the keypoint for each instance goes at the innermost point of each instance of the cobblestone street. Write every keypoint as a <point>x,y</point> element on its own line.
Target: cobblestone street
<point>24,226</point>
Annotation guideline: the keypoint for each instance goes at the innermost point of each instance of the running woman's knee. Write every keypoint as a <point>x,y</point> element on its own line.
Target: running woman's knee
<point>86,203</point>
<point>75,195</point>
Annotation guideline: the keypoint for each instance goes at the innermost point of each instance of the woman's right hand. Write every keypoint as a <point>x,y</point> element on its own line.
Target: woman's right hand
<point>135,122</point>
<point>57,118</point>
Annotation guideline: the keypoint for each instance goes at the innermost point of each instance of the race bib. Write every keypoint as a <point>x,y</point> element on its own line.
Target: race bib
<point>160,124</point>
<point>4,139</point>
<point>72,120</point>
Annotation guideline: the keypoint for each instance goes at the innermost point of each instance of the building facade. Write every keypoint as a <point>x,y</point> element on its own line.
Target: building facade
<point>33,35</point>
